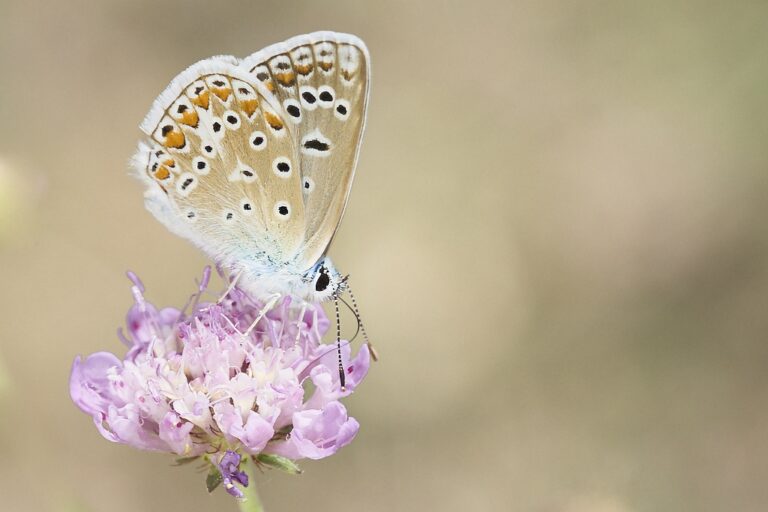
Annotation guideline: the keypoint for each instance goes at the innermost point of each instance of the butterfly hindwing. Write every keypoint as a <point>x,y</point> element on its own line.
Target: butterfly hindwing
<point>321,80</point>
<point>227,165</point>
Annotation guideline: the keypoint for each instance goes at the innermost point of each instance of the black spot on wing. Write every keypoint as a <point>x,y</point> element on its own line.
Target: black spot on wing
<point>293,110</point>
<point>316,145</point>
<point>308,97</point>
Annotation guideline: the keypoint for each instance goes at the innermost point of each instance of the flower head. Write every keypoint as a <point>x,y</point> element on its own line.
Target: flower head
<point>199,383</point>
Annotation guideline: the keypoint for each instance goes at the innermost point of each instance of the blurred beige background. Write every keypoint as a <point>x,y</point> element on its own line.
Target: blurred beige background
<point>557,237</point>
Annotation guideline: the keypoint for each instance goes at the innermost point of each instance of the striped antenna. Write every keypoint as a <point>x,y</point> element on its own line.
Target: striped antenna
<point>374,354</point>
<point>342,377</point>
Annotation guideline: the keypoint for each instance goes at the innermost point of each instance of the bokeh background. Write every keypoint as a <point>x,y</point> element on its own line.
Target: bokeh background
<point>557,237</point>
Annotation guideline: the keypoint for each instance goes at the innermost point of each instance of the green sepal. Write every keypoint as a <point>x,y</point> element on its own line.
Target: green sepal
<point>213,480</point>
<point>278,462</point>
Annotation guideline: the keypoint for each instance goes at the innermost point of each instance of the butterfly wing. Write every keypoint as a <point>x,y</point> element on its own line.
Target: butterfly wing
<point>222,167</point>
<point>321,80</point>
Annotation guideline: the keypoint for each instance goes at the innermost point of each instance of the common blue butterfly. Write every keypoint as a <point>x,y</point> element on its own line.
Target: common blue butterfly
<point>252,160</point>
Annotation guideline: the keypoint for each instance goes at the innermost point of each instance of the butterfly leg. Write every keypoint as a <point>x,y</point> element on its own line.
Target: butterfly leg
<point>266,309</point>
<point>301,319</point>
<point>231,287</point>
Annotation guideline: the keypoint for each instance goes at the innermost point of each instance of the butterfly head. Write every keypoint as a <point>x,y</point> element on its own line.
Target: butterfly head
<point>325,281</point>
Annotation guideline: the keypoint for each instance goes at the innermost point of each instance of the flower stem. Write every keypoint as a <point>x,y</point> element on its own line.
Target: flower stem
<point>251,502</point>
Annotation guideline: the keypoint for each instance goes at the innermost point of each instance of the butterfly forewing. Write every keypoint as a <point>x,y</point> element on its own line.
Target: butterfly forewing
<point>228,166</point>
<point>321,81</point>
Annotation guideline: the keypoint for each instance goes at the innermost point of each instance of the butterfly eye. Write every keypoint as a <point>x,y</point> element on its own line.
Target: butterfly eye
<point>283,210</point>
<point>323,280</point>
<point>325,96</point>
<point>232,120</point>
<point>341,111</point>
<point>282,167</point>
<point>258,140</point>
<point>200,166</point>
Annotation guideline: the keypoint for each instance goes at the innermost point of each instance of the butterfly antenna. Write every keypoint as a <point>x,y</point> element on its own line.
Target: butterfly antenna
<point>342,377</point>
<point>374,354</point>
<point>356,318</point>
<point>351,310</point>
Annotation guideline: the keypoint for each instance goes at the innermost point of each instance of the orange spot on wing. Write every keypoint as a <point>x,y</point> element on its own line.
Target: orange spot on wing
<point>273,121</point>
<point>170,163</point>
<point>303,69</point>
<point>162,173</point>
<point>189,118</point>
<point>348,75</point>
<point>222,93</point>
<point>325,66</point>
<point>175,140</point>
<point>286,79</point>
<point>202,100</point>
<point>249,106</point>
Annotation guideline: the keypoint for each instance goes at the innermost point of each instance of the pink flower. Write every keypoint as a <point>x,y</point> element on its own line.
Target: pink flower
<point>194,384</point>
<point>318,433</point>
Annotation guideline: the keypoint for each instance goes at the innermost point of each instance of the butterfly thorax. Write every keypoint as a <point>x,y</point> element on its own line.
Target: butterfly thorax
<point>319,283</point>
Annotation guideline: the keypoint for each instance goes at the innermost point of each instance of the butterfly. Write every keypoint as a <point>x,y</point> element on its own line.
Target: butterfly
<point>253,160</point>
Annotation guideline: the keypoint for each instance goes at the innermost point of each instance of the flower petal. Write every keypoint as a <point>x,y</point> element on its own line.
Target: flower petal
<point>256,433</point>
<point>89,385</point>
<point>175,432</point>
<point>317,433</point>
